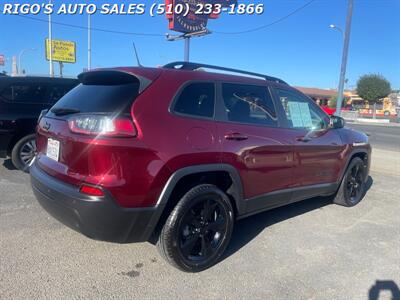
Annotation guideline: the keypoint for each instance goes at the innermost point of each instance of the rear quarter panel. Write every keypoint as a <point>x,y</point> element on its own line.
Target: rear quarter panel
<point>178,141</point>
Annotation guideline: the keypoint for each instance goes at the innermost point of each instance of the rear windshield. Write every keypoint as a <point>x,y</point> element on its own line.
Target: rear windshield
<point>35,92</point>
<point>87,98</point>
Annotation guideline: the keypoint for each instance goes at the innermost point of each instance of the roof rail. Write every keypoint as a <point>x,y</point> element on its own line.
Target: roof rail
<point>193,66</point>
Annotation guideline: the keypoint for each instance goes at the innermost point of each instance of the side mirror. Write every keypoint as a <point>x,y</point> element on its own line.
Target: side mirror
<point>337,122</point>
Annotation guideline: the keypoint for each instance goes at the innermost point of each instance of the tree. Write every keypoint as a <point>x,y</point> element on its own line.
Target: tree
<point>333,101</point>
<point>373,87</point>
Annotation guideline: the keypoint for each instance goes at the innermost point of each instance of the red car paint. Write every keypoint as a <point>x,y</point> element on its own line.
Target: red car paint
<point>328,110</point>
<point>136,169</point>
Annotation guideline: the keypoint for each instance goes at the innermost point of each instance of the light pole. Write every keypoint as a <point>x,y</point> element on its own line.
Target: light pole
<point>19,58</point>
<point>89,42</point>
<point>344,56</point>
<point>50,45</point>
<point>333,26</point>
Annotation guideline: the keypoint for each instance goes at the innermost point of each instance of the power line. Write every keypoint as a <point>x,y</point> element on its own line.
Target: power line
<point>267,25</point>
<point>162,35</point>
<point>93,28</point>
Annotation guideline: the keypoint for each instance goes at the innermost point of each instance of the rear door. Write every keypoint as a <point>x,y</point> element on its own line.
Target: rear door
<point>254,144</point>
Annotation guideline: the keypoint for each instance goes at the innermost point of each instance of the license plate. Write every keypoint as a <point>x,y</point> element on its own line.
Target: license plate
<point>53,149</point>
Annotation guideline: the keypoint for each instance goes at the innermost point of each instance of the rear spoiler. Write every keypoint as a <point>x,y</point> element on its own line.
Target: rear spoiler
<point>113,77</point>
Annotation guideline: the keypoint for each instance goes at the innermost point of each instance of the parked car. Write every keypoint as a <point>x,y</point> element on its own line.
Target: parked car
<point>21,101</point>
<point>328,110</point>
<point>174,156</point>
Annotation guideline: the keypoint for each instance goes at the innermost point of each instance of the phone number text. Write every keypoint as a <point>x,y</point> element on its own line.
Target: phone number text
<point>131,9</point>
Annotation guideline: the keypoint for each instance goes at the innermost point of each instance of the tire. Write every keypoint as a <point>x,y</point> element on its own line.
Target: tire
<point>198,230</point>
<point>23,153</point>
<point>352,187</point>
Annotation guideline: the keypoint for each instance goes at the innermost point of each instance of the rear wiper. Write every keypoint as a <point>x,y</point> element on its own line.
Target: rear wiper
<point>64,111</point>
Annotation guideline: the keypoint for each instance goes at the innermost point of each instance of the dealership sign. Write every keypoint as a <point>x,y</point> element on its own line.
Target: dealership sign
<point>191,21</point>
<point>63,51</point>
<point>2,60</point>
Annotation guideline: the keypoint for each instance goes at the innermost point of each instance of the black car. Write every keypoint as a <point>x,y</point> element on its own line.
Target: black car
<point>21,101</point>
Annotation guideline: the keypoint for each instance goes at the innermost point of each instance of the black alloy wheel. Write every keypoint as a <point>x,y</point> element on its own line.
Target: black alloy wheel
<point>355,182</point>
<point>352,187</point>
<point>198,230</point>
<point>202,229</point>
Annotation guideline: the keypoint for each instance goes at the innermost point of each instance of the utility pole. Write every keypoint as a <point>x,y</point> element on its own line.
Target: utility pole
<point>89,42</point>
<point>344,58</point>
<point>50,46</point>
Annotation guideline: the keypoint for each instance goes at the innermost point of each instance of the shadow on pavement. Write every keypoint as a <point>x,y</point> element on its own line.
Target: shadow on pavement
<point>9,165</point>
<point>384,285</point>
<point>247,229</point>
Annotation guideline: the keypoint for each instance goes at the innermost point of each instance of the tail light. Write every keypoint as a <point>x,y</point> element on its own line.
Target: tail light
<point>101,125</point>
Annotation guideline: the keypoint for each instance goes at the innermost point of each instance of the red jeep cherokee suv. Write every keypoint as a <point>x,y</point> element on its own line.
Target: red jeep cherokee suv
<point>179,154</point>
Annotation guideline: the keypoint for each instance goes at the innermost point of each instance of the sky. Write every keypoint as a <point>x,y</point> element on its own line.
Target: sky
<point>301,49</point>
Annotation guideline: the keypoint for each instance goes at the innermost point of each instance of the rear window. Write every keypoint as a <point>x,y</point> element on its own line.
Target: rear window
<point>25,93</point>
<point>55,92</point>
<point>35,93</point>
<point>100,98</point>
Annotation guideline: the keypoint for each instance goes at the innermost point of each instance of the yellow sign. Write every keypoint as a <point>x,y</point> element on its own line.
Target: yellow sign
<point>63,51</point>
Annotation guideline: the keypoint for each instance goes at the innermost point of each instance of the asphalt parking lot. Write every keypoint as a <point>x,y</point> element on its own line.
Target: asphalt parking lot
<point>308,250</point>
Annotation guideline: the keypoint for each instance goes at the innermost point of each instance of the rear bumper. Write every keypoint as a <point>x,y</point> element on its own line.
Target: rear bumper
<point>100,218</point>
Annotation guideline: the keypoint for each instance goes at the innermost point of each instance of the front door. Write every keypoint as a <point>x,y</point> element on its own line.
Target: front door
<point>318,149</point>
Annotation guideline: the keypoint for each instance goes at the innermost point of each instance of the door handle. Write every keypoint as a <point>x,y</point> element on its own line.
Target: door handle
<point>304,139</point>
<point>235,136</point>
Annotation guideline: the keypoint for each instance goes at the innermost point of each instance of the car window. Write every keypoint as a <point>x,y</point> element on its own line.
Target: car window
<point>100,98</point>
<point>300,112</point>
<point>249,104</point>
<point>56,92</point>
<point>197,99</point>
<point>25,93</point>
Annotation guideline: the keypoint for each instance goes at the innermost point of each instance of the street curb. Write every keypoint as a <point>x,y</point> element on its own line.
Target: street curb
<point>379,121</point>
<point>373,124</point>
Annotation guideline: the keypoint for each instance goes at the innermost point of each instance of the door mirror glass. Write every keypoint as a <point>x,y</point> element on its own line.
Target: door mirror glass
<point>337,122</point>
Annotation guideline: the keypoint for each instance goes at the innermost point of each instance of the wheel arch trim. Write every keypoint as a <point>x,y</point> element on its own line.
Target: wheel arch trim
<point>350,158</point>
<point>237,192</point>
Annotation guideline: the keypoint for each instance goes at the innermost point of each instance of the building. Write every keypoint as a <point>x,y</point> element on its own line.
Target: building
<point>320,96</point>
